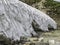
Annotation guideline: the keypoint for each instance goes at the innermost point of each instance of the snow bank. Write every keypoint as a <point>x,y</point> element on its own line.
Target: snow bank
<point>16,19</point>
<point>57,0</point>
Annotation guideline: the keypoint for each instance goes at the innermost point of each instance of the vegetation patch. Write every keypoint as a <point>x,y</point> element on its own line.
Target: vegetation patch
<point>53,7</point>
<point>30,2</point>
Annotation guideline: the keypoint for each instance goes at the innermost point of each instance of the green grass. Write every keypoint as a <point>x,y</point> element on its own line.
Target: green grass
<point>30,2</point>
<point>54,7</point>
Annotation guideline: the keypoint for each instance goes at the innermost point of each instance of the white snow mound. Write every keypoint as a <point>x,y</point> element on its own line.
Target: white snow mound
<point>16,19</point>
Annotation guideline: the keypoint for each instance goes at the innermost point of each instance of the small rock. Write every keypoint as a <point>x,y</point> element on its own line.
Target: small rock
<point>51,42</point>
<point>33,39</point>
<point>41,39</point>
<point>27,43</point>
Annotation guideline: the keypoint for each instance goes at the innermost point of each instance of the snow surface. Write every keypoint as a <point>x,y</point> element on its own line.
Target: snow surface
<point>16,19</point>
<point>57,0</point>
